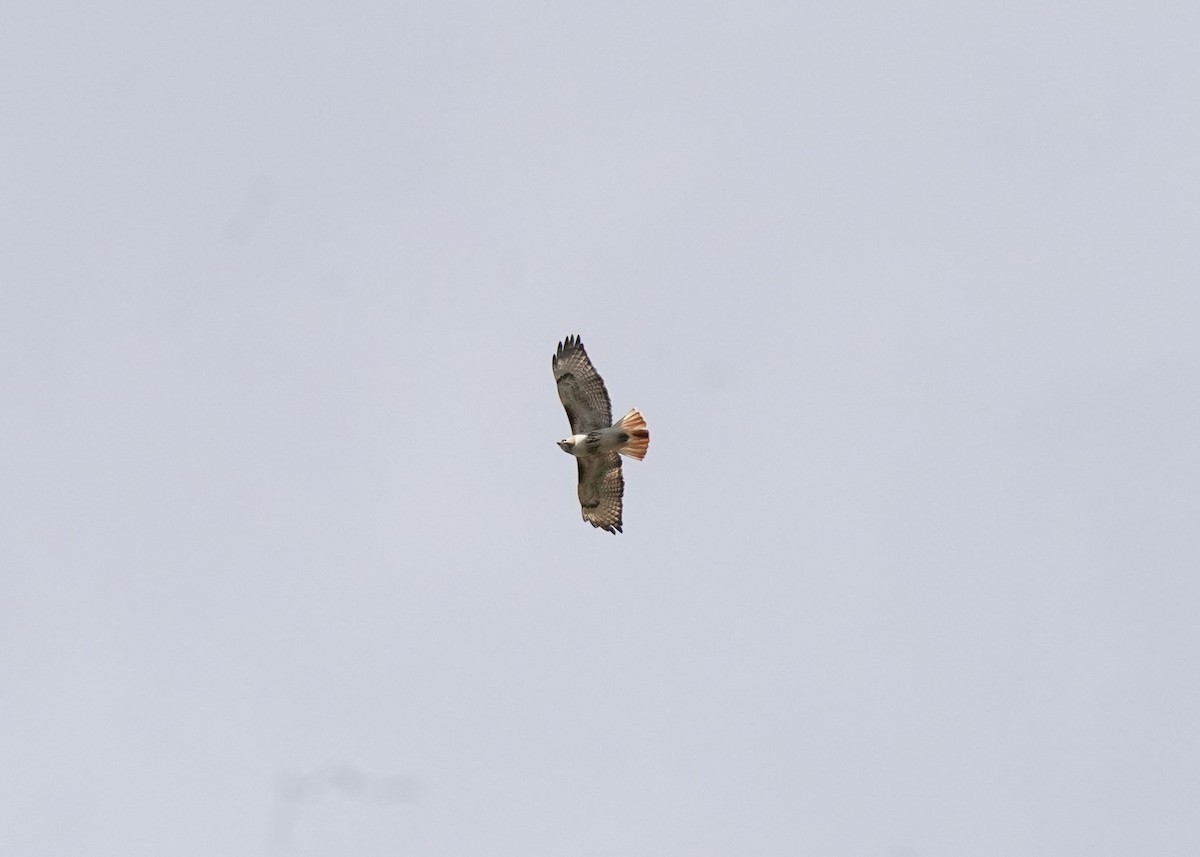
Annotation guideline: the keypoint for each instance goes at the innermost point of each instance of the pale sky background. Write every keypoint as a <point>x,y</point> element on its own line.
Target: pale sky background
<point>908,293</point>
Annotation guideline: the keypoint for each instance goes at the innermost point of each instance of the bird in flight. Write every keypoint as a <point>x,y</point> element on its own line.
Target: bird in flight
<point>596,441</point>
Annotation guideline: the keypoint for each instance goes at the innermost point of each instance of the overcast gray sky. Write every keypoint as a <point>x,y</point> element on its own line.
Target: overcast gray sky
<point>908,294</point>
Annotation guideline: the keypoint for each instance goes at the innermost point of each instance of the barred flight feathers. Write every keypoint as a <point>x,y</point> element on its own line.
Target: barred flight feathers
<point>601,487</point>
<point>580,388</point>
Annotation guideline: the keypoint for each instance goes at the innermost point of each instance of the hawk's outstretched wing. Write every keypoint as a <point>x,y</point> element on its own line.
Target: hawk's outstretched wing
<point>601,486</point>
<point>581,390</point>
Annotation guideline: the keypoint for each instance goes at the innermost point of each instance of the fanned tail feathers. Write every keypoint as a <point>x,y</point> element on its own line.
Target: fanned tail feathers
<point>639,435</point>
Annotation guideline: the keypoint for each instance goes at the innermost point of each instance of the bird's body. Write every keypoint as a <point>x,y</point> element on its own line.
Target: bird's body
<point>597,443</point>
<point>611,439</point>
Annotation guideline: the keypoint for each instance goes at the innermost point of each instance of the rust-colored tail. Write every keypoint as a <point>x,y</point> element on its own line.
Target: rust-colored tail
<point>639,435</point>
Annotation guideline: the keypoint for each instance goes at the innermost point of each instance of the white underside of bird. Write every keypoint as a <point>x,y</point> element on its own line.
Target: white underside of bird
<point>627,436</point>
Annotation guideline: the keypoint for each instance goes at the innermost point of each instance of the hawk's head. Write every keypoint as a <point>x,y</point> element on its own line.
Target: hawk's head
<point>567,445</point>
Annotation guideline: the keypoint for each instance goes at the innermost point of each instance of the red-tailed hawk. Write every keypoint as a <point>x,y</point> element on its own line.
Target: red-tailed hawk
<point>596,442</point>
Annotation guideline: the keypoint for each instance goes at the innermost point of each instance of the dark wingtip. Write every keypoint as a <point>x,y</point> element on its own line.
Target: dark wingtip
<point>569,343</point>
